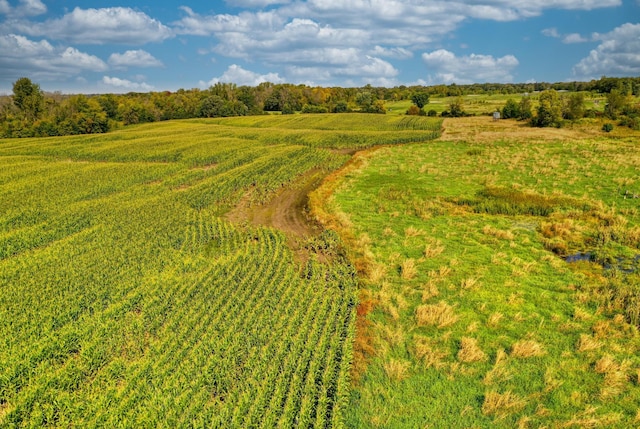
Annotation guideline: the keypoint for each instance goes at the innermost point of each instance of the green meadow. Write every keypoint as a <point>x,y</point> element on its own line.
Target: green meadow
<point>469,315</point>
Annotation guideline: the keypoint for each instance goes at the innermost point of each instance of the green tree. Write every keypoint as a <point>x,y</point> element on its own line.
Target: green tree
<point>524,109</point>
<point>616,102</point>
<point>364,99</point>
<point>511,110</point>
<point>212,107</point>
<point>574,107</point>
<point>456,108</point>
<point>28,98</point>
<point>549,113</point>
<point>420,99</point>
<point>341,107</point>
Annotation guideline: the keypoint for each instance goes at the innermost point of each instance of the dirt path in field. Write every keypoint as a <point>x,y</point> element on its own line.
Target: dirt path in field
<point>286,211</point>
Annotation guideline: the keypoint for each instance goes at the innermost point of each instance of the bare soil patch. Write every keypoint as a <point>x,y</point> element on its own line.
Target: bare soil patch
<point>286,211</point>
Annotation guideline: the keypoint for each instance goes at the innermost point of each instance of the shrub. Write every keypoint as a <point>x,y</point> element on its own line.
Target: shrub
<point>510,109</point>
<point>413,110</point>
<point>608,127</point>
<point>310,108</point>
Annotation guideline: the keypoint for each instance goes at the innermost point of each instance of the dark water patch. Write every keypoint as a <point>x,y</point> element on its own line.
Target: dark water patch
<point>626,265</point>
<point>580,256</point>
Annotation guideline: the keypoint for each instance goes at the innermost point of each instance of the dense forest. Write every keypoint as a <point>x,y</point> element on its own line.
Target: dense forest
<point>30,112</point>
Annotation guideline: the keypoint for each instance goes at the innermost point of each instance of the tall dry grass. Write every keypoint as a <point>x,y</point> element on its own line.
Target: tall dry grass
<point>440,315</point>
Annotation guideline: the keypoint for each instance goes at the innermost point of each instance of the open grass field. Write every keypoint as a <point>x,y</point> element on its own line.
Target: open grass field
<point>484,104</point>
<point>148,278</point>
<point>469,316</point>
<point>127,299</point>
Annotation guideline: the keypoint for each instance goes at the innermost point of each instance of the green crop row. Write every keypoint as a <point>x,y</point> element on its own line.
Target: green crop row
<point>127,300</point>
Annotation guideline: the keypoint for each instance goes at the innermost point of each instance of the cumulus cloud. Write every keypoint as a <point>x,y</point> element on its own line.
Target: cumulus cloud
<point>574,38</point>
<point>397,53</point>
<point>567,38</point>
<point>119,25</point>
<point>24,8</point>
<point>445,67</point>
<point>255,3</point>
<point>507,10</point>
<point>618,54</point>
<point>22,56</point>
<point>311,37</point>
<point>135,58</point>
<point>195,24</point>
<point>127,85</point>
<point>238,75</point>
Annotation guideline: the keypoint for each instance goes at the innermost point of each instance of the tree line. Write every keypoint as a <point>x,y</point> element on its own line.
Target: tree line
<point>30,112</point>
<point>553,109</point>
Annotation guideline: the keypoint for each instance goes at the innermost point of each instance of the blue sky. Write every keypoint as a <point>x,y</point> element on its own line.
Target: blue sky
<point>145,45</point>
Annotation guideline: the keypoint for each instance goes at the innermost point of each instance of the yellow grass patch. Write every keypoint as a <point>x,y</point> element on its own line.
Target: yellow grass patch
<point>498,233</point>
<point>527,349</point>
<point>433,248</point>
<point>469,351</point>
<point>440,315</point>
<point>500,405</point>
<point>429,290</point>
<point>470,283</point>
<point>412,232</point>
<point>494,319</point>
<point>376,272</point>
<point>482,129</point>
<point>428,352</point>
<point>589,419</point>
<point>587,343</point>
<point>408,269</point>
<point>499,372</point>
<point>615,376</point>
<point>397,369</point>
<point>579,314</point>
<point>498,258</point>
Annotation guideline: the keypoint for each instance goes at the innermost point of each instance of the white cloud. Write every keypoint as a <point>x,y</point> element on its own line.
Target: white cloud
<point>312,37</point>
<point>125,84</point>
<point>22,56</point>
<point>245,22</point>
<point>445,67</point>
<point>32,7</point>
<point>574,38</point>
<point>135,58</point>
<point>24,8</point>
<point>617,55</point>
<point>567,38</point>
<point>255,3</point>
<point>397,53</point>
<point>98,26</point>
<point>238,75</point>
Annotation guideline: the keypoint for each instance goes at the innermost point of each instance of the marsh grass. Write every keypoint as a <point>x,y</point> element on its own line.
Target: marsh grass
<point>616,376</point>
<point>440,315</point>
<point>500,405</point>
<point>397,369</point>
<point>408,269</point>
<point>587,343</point>
<point>430,353</point>
<point>527,349</point>
<point>470,351</point>
<point>481,220</point>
